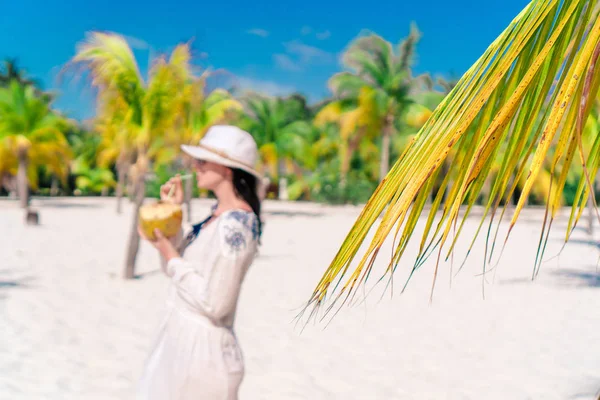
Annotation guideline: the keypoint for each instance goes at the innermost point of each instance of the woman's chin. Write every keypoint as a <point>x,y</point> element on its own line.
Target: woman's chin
<point>202,185</point>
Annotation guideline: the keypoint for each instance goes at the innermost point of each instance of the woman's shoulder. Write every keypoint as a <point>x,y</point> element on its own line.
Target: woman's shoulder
<point>238,230</point>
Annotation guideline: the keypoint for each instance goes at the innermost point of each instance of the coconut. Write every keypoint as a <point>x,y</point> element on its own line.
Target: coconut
<point>165,217</point>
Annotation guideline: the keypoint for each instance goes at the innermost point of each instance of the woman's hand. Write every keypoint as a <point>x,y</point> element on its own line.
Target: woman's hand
<point>162,244</point>
<point>177,197</point>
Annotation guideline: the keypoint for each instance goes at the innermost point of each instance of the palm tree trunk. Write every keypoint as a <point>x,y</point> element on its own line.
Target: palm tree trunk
<point>187,196</point>
<point>54,186</point>
<point>283,192</point>
<point>345,163</point>
<point>385,147</point>
<point>130,179</point>
<point>188,189</point>
<point>263,188</point>
<point>9,184</point>
<point>22,182</point>
<point>487,190</point>
<point>121,171</point>
<point>134,237</point>
<point>509,199</point>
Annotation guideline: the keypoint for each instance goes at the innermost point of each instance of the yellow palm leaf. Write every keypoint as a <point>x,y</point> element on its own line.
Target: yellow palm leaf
<point>268,155</point>
<point>517,97</point>
<point>330,113</point>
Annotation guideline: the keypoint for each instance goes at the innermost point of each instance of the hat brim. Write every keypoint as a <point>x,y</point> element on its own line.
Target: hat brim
<point>201,153</point>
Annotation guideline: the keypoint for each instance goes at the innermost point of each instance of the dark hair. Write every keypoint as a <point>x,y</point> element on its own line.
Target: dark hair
<point>246,185</point>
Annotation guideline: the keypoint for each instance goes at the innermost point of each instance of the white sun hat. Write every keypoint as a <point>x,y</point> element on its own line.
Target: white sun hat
<point>229,146</point>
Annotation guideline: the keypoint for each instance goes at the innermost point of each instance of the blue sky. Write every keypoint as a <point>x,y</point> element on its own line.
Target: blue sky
<point>277,47</point>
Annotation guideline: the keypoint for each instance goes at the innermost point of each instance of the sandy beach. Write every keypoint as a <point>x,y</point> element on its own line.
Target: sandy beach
<point>73,329</point>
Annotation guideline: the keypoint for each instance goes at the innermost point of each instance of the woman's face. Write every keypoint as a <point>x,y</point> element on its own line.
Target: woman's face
<point>210,175</point>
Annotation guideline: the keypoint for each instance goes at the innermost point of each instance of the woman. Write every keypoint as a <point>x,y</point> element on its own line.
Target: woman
<point>196,355</point>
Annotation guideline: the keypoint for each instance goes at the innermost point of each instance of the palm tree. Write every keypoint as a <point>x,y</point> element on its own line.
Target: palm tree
<point>87,145</point>
<point>281,128</point>
<point>8,168</point>
<point>357,120</point>
<point>117,144</point>
<point>198,112</point>
<point>10,71</point>
<point>532,88</point>
<point>201,111</point>
<point>150,108</point>
<point>32,135</point>
<point>374,64</point>
<point>447,84</point>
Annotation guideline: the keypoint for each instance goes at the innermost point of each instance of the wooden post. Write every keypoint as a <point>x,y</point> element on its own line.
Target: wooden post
<point>22,181</point>
<point>31,217</point>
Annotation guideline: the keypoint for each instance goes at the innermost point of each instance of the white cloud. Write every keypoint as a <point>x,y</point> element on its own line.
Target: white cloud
<point>258,32</point>
<point>283,61</point>
<point>308,54</point>
<point>323,35</point>
<point>306,30</point>
<point>266,87</point>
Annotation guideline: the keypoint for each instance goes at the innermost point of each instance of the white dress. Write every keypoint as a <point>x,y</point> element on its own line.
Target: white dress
<point>196,355</point>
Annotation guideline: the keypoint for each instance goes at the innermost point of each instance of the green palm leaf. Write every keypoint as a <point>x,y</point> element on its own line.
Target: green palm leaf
<point>113,68</point>
<point>28,124</point>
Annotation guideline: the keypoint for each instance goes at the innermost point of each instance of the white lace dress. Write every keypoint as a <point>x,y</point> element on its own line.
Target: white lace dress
<point>196,355</point>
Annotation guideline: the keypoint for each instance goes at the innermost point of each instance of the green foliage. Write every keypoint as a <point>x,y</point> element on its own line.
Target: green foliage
<point>282,130</point>
<point>331,151</point>
<point>357,190</point>
<point>91,180</point>
<point>29,126</point>
<point>162,173</point>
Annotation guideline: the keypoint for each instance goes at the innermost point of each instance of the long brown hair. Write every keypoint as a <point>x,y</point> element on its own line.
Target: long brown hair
<point>246,186</point>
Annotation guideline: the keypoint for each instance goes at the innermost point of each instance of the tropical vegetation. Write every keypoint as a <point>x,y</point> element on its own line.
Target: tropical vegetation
<point>513,131</point>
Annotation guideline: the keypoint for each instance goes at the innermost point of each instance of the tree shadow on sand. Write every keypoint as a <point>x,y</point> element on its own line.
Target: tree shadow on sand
<point>579,278</point>
<point>69,204</point>
<point>592,394</point>
<point>280,213</point>
<point>585,242</point>
<point>21,283</point>
<point>147,274</point>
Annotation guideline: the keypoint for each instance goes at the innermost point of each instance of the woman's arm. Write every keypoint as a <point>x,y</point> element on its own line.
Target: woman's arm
<point>211,282</point>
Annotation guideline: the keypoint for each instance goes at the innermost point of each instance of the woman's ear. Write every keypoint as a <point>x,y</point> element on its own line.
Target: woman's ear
<point>229,173</point>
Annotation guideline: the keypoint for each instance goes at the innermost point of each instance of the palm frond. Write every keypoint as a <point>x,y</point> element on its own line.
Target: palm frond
<point>346,85</point>
<point>328,114</point>
<point>180,63</point>
<point>270,159</point>
<point>113,68</point>
<point>529,92</point>
<point>406,49</point>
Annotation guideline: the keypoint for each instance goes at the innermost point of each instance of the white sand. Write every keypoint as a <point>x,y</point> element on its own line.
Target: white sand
<point>72,329</point>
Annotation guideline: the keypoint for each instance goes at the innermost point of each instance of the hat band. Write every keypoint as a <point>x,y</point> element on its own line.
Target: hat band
<point>223,154</point>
